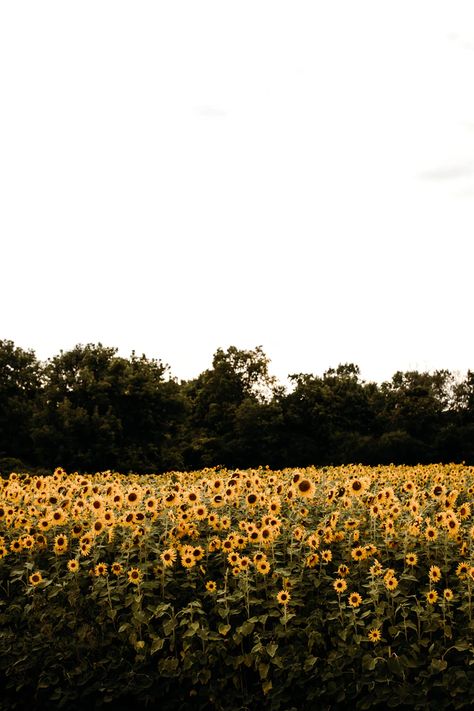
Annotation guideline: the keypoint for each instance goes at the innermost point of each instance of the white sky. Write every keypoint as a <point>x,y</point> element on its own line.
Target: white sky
<point>181,176</point>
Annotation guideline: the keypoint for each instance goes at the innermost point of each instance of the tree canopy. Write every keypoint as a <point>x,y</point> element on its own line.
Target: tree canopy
<point>89,408</point>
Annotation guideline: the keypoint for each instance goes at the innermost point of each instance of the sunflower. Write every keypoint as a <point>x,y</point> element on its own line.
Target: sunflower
<point>312,560</point>
<point>354,599</point>
<point>73,565</point>
<point>244,563</point>
<point>15,546</point>
<point>434,574</point>
<point>116,568</point>
<point>391,583</point>
<point>188,560</point>
<point>339,585</point>
<point>358,553</point>
<point>262,567</point>
<point>411,559</point>
<point>60,544</point>
<point>464,511</point>
<point>355,487</point>
<point>448,594</point>
<point>431,597</point>
<point>374,635</point>
<point>343,570</point>
<point>283,597</point>
<point>274,506</point>
<point>132,498</point>
<point>200,512</point>
<point>214,544</point>
<point>233,558</point>
<point>462,571</point>
<point>305,488</point>
<point>211,586</point>
<point>77,530</point>
<point>168,557</point>
<point>252,499</point>
<point>134,576</point>
<point>326,555</point>
<point>100,569</point>
<point>35,578</point>
<point>431,533</point>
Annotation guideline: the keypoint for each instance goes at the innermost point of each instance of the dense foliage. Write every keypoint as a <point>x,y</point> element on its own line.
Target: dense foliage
<point>327,588</point>
<point>90,409</point>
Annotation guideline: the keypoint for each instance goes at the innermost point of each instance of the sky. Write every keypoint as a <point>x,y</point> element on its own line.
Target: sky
<point>178,177</point>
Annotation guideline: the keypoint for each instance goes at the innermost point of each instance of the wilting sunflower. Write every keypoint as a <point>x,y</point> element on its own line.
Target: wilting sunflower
<point>354,599</point>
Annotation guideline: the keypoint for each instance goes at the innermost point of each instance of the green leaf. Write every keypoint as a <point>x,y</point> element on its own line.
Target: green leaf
<point>272,649</point>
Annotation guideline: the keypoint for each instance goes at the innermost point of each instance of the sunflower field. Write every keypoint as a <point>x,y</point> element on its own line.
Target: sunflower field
<point>238,589</point>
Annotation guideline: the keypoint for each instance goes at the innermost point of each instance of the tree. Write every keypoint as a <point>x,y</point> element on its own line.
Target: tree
<point>104,411</point>
<point>216,396</point>
<point>326,416</point>
<point>20,385</point>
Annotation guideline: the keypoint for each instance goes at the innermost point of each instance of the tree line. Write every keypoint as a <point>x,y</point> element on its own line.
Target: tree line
<point>89,409</point>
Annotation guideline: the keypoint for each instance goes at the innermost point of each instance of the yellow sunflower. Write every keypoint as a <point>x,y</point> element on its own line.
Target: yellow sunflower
<point>374,635</point>
<point>339,585</point>
<point>35,578</point>
<point>283,597</point>
<point>354,599</point>
<point>134,576</point>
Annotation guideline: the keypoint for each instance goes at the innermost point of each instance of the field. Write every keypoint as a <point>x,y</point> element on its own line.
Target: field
<point>230,589</point>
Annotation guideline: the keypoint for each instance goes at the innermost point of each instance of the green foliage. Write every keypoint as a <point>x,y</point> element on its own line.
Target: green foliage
<point>90,408</point>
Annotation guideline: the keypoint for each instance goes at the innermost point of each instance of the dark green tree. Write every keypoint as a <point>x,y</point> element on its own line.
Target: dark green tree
<point>226,402</point>
<point>100,410</point>
<point>20,385</point>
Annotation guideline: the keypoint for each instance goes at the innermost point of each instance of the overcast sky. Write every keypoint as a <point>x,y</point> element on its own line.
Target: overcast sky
<point>181,176</point>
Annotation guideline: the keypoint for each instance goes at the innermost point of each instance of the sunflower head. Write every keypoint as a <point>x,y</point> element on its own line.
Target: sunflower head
<point>354,599</point>
<point>283,597</point>
<point>374,635</point>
